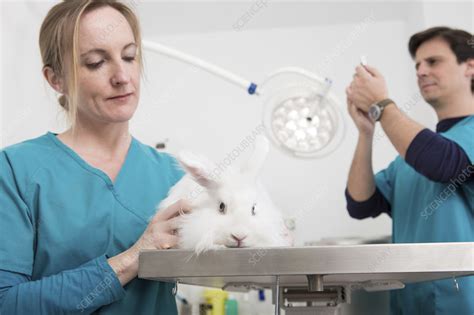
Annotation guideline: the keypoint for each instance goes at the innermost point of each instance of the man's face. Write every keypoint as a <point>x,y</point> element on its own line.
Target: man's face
<point>439,74</point>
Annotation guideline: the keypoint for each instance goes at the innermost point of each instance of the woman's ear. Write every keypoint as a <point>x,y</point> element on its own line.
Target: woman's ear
<point>53,79</point>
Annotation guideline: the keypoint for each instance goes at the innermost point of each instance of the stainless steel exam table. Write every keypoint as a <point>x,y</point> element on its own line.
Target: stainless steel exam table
<point>311,279</point>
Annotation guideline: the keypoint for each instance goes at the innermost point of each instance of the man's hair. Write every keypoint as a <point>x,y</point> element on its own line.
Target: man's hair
<point>460,41</point>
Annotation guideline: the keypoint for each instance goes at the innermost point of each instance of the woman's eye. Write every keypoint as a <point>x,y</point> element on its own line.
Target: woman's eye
<point>253,209</point>
<point>222,208</point>
<point>95,65</point>
<point>129,59</point>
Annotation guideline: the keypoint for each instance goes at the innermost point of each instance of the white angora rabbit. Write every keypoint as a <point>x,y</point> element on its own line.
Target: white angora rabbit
<point>228,210</point>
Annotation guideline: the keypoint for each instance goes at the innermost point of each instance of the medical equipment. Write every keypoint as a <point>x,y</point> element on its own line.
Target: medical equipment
<point>312,279</point>
<point>301,116</point>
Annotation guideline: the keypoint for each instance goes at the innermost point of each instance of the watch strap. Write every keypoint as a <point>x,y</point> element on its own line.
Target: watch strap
<point>385,102</point>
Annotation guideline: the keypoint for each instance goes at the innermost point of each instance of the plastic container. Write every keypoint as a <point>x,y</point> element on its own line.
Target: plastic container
<point>231,306</point>
<point>217,299</point>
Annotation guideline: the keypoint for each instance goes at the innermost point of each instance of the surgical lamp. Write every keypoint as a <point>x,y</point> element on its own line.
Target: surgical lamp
<point>301,116</point>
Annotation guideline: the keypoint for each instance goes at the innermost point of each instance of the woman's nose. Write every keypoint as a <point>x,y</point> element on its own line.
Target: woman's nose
<point>120,76</point>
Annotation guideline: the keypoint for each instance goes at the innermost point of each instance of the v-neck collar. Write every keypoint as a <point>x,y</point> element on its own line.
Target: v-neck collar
<point>446,124</point>
<point>87,166</point>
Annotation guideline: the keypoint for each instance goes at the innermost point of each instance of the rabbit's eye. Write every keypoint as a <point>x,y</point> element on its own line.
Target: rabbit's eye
<point>253,209</point>
<point>222,208</point>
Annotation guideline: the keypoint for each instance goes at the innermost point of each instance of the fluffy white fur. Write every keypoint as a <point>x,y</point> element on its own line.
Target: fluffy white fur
<point>206,227</point>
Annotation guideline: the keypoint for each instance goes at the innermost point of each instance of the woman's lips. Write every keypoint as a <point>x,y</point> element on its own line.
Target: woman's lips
<point>121,98</point>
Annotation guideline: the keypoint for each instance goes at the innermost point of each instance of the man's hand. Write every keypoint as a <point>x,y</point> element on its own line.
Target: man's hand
<point>367,88</point>
<point>364,124</point>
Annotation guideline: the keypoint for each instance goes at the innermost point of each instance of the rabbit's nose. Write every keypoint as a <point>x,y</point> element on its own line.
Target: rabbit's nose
<point>238,238</point>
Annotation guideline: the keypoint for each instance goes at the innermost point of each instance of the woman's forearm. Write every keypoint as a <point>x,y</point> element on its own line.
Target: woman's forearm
<point>125,265</point>
<point>77,291</point>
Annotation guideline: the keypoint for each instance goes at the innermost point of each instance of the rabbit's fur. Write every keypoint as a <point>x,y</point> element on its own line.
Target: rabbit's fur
<point>229,210</point>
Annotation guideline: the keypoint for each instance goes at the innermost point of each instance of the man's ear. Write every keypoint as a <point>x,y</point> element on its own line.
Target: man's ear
<point>470,67</point>
<point>56,82</point>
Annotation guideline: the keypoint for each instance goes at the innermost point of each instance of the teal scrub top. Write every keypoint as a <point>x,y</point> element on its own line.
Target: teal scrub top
<point>425,211</point>
<point>59,212</point>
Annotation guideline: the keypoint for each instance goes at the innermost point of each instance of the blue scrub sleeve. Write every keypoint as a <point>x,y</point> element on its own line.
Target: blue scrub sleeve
<point>85,288</point>
<point>384,181</point>
<point>16,223</point>
<point>78,291</point>
<point>464,137</point>
<point>177,170</point>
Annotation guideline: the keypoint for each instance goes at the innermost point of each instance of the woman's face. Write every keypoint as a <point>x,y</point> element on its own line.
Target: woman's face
<point>109,72</point>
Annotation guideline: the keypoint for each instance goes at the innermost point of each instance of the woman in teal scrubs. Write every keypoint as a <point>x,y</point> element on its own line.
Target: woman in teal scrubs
<point>77,207</point>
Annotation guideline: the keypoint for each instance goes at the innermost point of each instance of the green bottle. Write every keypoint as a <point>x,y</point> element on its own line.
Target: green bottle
<point>231,307</point>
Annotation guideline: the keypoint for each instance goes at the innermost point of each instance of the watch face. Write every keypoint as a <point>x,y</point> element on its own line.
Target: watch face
<point>374,112</point>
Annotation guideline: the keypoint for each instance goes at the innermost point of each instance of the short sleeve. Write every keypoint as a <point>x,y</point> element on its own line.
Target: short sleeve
<point>177,171</point>
<point>384,180</point>
<point>17,229</point>
<point>464,137</point>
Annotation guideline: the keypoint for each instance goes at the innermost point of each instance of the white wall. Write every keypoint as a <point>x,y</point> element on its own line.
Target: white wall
<point>458,15</point>
<point>194,110</point>
<point>29,106</point>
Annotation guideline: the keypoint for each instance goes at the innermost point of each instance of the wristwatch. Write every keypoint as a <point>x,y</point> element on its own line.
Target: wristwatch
<point>376,109</point>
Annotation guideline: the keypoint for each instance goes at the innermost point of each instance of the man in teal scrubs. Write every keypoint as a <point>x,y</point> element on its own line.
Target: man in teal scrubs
<point>428,190</point>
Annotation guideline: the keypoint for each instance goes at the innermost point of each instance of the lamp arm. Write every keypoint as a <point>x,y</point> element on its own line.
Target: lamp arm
<point>199,63</point>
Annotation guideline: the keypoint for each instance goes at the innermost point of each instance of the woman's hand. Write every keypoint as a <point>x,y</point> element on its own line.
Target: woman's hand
<point>161,231</point>
<point>159,234</point>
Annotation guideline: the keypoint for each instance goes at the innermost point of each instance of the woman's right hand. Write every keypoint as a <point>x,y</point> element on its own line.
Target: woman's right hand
<point>159,234</point>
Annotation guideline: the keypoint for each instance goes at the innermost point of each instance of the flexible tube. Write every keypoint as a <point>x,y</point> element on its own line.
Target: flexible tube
<point>197,62</point>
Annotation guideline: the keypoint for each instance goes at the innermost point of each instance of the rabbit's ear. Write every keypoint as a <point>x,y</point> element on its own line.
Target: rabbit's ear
<point>199,167</point>
<point>261,147</point>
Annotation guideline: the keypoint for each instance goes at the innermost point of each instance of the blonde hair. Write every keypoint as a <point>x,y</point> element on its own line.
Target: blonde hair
<point>58,39</point>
